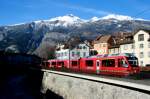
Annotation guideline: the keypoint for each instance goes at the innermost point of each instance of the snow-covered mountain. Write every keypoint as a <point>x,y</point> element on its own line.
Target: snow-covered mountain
<point>70,19</point>
<point>36,36</point>
<point>65,21</point>
<point>118,17</point>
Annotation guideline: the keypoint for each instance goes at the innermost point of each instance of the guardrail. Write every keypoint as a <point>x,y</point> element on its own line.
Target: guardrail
<point>130,85</point>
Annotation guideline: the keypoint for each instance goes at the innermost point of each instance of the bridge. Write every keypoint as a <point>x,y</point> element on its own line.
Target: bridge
<point>83,86</point>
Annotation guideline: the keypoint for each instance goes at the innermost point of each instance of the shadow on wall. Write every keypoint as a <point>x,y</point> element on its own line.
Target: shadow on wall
<point>51,95</point>
<point>20,84</point>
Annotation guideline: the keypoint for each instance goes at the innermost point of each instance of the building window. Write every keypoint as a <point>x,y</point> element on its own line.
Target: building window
<point>141,63</point>
<point>109,51</point>
<point>125,47</point>
<point>65,53</point>
<point>84,54</point>
<point>141,55</point>
<point>149,45</point>
<point>148,54</point>
<point>141,37</point>
<point>141,46</point>
<point>84,47</point>
<point>99,45</point>
<point>57,54</point>
<point>132,46</point>
<point>104,45</point>
<point>78,53</point>
<point>80,47</point>
<point>72,54</point>
<point>114,50</point>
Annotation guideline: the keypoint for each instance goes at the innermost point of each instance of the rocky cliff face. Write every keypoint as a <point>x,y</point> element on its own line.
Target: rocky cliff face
<point>35,37</point>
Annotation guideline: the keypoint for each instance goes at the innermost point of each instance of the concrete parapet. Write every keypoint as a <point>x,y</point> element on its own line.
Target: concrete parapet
<point>76,88</point>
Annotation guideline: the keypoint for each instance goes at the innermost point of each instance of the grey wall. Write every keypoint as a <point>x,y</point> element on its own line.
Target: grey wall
<point>75,88</point>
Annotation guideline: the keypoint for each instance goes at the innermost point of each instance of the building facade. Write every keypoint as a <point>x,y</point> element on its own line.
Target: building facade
<point>137,44</point>
<point>102,44</point>
<point>80,50</point>
<point>142,47</point>
<point>114,49</point>
<point>62,52</point>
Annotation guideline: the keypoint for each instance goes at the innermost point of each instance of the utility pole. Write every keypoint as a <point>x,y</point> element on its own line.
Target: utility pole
<point>69,54</point>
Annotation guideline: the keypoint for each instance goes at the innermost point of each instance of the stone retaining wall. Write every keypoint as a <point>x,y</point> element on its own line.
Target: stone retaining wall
<point>75,88</point>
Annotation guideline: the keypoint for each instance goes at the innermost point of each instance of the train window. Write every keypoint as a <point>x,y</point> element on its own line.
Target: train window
<point>74,63</point>
<point>133,61</point>
<point>61,63</point>
<point>45,63</point>
<point>54,63</point>
<point>108,63</point>
<point>122,63</point>
<point>89,63</point>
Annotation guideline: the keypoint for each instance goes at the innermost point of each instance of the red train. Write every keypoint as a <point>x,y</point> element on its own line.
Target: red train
<point>118,65</point>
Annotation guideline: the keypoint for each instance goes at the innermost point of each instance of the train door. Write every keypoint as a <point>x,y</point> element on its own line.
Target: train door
<point>98,66</point>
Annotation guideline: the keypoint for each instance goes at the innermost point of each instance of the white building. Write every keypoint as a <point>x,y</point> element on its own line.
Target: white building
<point>81,50</point>
<point>114,49</point>
<point>62,52</point>
<point>142,47</point>
<point>137,44</point>
<point>127,47</point>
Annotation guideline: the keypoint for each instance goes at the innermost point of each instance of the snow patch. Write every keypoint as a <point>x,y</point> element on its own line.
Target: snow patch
<point>68,19</point>
<point>119,25</point>
<point>94,19</point>
<point>118,17</point>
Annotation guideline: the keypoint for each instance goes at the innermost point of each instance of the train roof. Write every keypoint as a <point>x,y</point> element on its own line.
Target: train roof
<point>112,55</point>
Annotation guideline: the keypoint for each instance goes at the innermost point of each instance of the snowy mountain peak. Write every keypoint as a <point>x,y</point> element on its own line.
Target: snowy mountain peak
<point>94,19</point>
<point>117,17</point>
<point>70,18</point>
<point>66,20</point>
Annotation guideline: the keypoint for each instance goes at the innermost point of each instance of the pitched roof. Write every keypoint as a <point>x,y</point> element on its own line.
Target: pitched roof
<point>114,46</point>
<point>146,30</point>
<point>102,39</point>
<point>98,37</point>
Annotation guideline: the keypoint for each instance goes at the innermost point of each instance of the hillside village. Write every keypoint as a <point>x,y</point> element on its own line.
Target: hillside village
<point>137,43</point>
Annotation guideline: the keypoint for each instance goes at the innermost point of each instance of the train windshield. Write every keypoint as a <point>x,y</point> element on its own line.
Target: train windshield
<point>133,61</point>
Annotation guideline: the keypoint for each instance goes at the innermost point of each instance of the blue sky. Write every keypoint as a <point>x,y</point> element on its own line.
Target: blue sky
<point>20,11</point>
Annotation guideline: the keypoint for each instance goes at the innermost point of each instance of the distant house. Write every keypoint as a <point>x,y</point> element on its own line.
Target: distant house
<point>102,43</point>
<point>62,51</point>
<point>127,44</point>
<point>142,46</point>
<point>80,50</point>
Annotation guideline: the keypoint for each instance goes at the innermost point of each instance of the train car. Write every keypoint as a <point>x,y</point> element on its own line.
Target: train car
<point>88,65</point>
<point>74,65</point>
<point>45,64</point>
<point>118,65</point>
<point>52,63</point>
<point>58,64</point>
<point>62,64</point>
<point>111,65</point>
